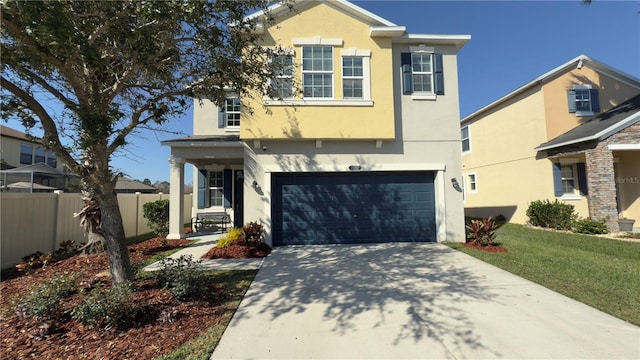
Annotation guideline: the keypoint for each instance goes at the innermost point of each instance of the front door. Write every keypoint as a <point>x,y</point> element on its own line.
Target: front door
<point>238,199</point>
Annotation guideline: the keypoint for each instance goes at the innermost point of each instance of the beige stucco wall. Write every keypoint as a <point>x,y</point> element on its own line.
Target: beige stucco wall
<point>508,174</point>
<point>10,150</point>
<point>333,121</point>
<point>628,181</point>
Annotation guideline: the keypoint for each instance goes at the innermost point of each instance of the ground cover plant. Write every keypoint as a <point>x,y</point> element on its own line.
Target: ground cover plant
<point>92,319</point>
<point>245,242</point>
<point>598,271</point>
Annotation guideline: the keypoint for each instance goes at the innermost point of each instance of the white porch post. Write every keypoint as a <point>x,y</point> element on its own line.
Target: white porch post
<point>176,198</point>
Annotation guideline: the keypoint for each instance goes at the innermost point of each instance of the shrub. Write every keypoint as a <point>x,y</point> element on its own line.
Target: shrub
<point>43,302</point>
<point>253,232</point>
<point>182,277</point>
<point>482,232</point>
<point>554,215</point>
<point>157,215</point>
<point>229,238</point>
<point>589,226</point>
<point>106,308</point>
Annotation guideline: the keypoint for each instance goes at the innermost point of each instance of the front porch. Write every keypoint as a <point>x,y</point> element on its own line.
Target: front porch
<point>218,178</point>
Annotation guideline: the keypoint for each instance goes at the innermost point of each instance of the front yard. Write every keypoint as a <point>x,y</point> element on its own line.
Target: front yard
<point>601,272</point>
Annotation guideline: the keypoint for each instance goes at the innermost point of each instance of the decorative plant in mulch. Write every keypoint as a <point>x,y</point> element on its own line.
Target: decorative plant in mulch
<point>481,234</point>
<point>247,242</point>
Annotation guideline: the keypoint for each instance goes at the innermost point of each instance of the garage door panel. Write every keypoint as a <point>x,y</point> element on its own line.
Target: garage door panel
<point>326,208</point>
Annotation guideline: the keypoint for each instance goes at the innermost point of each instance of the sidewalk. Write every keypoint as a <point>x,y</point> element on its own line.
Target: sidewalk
<point>201,246</point>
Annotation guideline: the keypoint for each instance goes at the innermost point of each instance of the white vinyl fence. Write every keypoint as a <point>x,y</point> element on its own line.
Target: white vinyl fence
<point>31,222</point>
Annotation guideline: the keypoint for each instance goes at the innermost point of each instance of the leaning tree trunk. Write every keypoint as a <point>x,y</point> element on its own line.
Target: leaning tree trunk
<point>113,231</point>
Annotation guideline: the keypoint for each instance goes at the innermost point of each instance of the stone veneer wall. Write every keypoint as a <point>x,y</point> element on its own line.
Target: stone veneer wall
<point>601,177</point>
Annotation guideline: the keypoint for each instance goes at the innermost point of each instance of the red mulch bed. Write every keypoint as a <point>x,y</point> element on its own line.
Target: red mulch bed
<point>144,338</point>
<point>239,250</point>
<point>487,248</point>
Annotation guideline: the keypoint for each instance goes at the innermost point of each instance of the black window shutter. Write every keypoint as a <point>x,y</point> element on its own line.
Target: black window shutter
<point>582,178</point>
<point>571,99</point>
<point>221,117</point>
<point>202,188</point>
<point>407,74</point>
<point>438,74</point>
<point>227,187</point>
<point>557,179</point>
<point>595,100</point>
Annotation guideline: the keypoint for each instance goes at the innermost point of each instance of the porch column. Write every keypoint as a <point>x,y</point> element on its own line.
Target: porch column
<point>602,186</point>
<point>176,198</point>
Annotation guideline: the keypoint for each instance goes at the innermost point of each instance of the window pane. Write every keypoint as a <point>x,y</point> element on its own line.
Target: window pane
<point>52,160</point>
<point>421,62</point>
<point>40,155</point>
<point>26,154</point>
<point>317,85</point>
<point>465,145</point>
<point>583,100</point>
<point>465,132</point>
<point>352,88</point>
<point>422,83</point>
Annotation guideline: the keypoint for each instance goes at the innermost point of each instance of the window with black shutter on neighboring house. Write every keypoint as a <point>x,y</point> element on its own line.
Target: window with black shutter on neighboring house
<point>583,100</point>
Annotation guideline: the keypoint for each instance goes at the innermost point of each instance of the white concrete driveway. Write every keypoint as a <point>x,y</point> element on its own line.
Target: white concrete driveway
<point>411,301</point>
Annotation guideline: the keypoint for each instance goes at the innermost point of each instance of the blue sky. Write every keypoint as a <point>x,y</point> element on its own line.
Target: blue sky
<point>512,43</point>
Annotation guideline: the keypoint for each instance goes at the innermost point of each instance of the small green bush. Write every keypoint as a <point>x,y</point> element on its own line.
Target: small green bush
<point>589,226</point>
<point>229,238</point>
<point>106,308</point>
<point>157,215</point>
<point>482,232</point>
<point>182,277</point>
<point>43,301</point>
<point>555,215</point>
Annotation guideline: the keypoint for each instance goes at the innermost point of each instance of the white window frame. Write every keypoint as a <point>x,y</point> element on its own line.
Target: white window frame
<point>575,195</point>
<point>468,138</point>
<point>286,77</point>
<point>233,112</point>
<point>473,182</point>
<point>583,89</point>
<point>422,95</point>
<point>365,55</point>
<point>213,189</point>
<point>323,72</point>
<point>355,78</point>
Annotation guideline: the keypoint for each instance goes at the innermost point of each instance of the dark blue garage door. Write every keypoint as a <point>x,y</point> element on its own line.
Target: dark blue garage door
<point>348,208</point>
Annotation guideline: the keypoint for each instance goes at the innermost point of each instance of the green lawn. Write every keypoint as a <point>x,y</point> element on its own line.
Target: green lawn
<point>600,272</point>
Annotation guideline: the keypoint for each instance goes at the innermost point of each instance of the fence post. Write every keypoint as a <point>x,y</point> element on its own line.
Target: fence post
<point>56,216</point>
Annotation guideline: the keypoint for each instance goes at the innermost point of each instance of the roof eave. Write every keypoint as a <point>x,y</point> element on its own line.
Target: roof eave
<point>457,40</point>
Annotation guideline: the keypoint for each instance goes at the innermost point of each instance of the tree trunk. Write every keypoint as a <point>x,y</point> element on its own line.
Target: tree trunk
<point>113,231</point>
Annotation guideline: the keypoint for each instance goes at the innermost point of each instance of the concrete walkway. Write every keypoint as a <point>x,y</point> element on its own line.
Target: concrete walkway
<point>411,301</point>
<point>203,244</point>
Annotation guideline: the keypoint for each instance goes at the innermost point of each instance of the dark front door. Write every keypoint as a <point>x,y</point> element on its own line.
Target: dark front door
<point>363,207</point>
<point>238,198</point>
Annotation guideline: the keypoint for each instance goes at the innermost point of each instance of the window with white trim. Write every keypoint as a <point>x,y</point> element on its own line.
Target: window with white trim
<point>232,112</point>
<point>216,189</point>
<point>568,179</point>
<point>352,77</point>
<point>466,139</point>
<point>583,100</point>
<point>473,183</point>
<point>282,81</point>
<point>422,70</point>
<point>317,72</point>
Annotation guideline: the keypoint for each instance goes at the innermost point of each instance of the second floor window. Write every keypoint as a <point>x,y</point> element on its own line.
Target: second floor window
<point>352,78</point>
<point>466,140</point>
<point>583,100</point>
<point>282,82</point>
<point>317,71</point>
<point>26,154</point>
<point>422,70</point>
<point>232,112</point>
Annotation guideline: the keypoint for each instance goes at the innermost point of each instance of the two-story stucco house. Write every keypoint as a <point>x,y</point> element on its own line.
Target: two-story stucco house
<point>363,144</point>
<point>28,166</point>
<point>572,134</point>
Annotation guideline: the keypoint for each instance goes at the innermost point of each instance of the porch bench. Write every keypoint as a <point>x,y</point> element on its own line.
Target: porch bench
<point>208,219</point>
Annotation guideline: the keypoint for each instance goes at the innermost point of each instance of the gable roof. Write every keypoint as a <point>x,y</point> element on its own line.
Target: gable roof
<point>599,127</point>
<point>125,184</point>
<point>578,62</point>
<point>344,5</point>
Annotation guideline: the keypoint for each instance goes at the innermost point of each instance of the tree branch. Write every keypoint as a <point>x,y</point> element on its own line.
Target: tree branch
<point>48,124</point>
